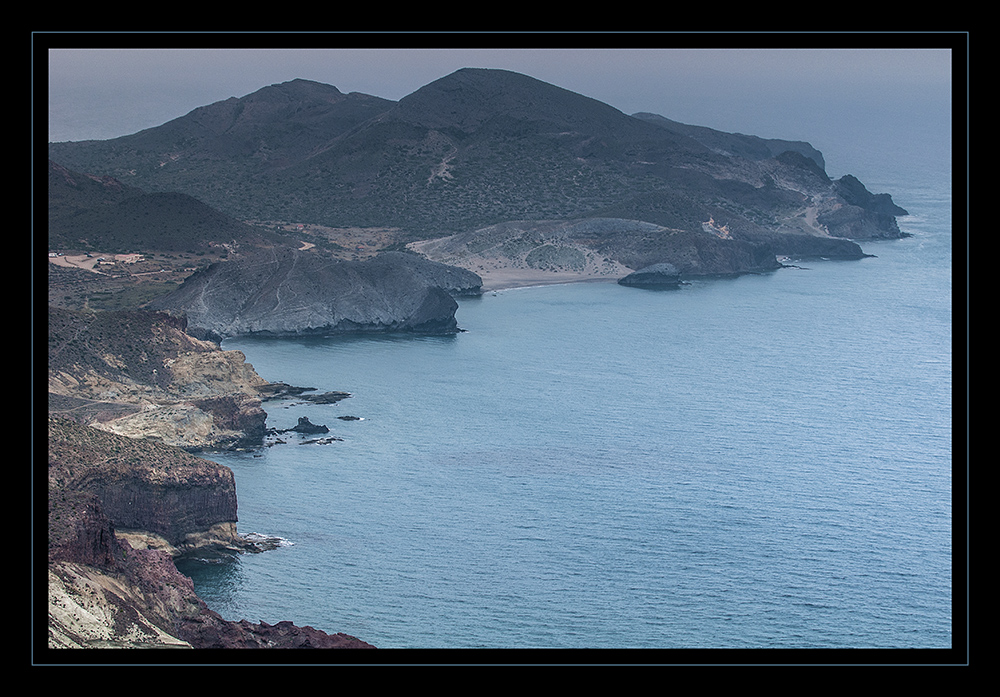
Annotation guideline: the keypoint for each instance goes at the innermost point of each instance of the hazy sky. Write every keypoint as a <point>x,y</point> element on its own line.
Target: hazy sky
<point>779,93</point>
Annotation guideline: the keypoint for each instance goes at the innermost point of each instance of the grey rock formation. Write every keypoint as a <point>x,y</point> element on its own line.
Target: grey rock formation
<point>306,426</point>
<point>287,292</point>
<point>656,276</point>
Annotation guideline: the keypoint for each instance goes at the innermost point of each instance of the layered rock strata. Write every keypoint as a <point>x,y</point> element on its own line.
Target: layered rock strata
<point>139,373</point>
<point>143,486</point>
<point>108,588</point>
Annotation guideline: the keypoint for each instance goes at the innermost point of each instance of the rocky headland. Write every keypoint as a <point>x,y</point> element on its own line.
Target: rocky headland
<point>134,395</point>
<point>120,509</point>
<point>139,373</point>
<point>657,276</point>
<point>132,399</point>
<point>288,292</point>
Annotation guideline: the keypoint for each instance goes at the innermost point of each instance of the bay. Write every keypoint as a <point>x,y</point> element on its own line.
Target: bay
<point>762,461</point>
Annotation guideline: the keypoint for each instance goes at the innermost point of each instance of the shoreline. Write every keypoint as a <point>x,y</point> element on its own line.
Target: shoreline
<point>510,279</point>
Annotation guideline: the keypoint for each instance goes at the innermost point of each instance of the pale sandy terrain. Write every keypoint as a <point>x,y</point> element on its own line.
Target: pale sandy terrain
<point>94,261</point>
<point>501,270</point>
<point>91,609</point>
<point>80,261</point>
<point>506,278</point>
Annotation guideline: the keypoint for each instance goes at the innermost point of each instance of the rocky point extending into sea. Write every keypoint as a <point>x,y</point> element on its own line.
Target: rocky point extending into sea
<point>132,399</point>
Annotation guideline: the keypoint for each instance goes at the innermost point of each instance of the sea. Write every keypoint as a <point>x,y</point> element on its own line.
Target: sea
<point>760,462</point>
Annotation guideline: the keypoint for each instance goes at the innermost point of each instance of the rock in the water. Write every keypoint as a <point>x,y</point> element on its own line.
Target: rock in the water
<point>306,426</point>
<point>656,276</point>
<point>326,397</point>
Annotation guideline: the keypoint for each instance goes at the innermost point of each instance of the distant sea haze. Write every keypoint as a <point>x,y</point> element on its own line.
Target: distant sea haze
<point>758,462</point>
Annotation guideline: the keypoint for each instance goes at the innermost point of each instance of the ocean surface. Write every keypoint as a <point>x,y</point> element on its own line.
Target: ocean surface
<point>758,462</point>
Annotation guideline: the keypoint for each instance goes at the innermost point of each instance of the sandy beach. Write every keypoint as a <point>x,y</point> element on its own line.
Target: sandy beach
<point>508,278</point>
<point>501,270</point>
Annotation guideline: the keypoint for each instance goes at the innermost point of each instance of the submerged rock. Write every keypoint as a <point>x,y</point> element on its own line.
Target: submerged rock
<point>326,397</point>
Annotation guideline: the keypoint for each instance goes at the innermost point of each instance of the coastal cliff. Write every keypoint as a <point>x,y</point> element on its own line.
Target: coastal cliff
<point>139,373</point>
<point>282,292</point>
<point>183,502</point>
<point>130,396</point>
<point>481,173</point>
<point>655,276</point>
<point>119,510</point>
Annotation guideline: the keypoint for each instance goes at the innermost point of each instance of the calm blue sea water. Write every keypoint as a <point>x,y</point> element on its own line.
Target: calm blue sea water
<point>753,462</point>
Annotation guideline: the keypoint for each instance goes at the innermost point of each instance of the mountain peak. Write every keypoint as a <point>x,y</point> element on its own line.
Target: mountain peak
<point>297,89</point>
<point>471,97</point>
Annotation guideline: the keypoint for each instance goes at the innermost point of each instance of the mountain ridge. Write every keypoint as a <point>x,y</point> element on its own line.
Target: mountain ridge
<point>480,147</point>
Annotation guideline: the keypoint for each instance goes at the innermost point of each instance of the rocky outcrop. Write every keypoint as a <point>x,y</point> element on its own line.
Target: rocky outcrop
<point>141,485</point>
<point>656,276</point>
<point>112,499</point>
<point>285,292</point>
<point>138,373</point>
<point>126,496</point>
<point>306,426</point>
<point>144,602</point>
<point>855,193</point>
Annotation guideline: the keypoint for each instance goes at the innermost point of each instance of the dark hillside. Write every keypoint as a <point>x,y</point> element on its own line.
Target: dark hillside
<point>90,213</point>
<point>750,147</point>
<point>222,152</point>
<point>479,147</point>
<point>474,149</point>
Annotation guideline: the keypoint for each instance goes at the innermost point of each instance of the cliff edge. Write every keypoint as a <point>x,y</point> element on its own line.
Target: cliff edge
<point>130,395</point>
<point>140,374</point>
<point>287,292</point>
<point>107,589</point>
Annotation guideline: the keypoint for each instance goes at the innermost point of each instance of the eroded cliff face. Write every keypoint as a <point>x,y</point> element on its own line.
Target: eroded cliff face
<point>145,603</point>
<point>287,292</point>
<point>140,484</point>
<point>120,509</point>
<point>140,374</point>
<point>100,591</point>
<point>130,395</point>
